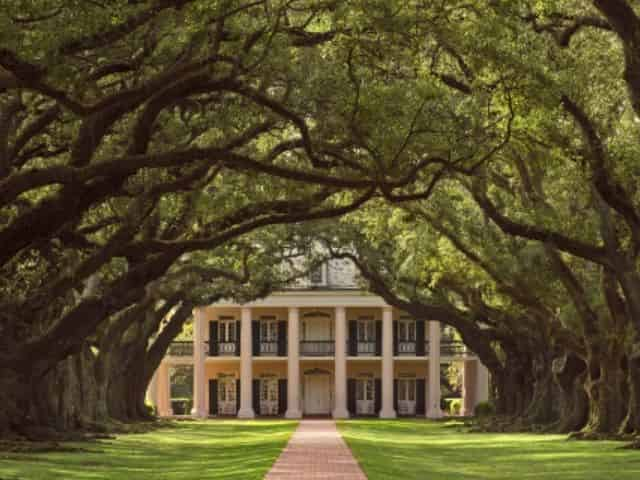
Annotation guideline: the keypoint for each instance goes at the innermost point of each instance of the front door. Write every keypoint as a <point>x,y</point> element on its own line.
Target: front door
<point>227,396</point>
<point>268,396</point>
<point>317,395</point>
<point>407,396</point>
<point>365,396</point>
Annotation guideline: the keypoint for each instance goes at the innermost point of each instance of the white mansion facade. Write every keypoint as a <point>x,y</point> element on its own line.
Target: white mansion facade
<point>324,347</point>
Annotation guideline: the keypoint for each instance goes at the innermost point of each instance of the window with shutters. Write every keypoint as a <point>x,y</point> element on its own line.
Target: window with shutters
<point>227,335</point>
<point>268,336</point>
<point>366,330</point>
<point>318,276</point>
<point>366,336</point>
<point>227,329</point>
<point>269,330</point>
<point>407,330</point>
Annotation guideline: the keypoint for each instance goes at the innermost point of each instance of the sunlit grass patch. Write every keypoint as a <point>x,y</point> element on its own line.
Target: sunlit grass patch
<point>197,450</point>
<point>425,450</point>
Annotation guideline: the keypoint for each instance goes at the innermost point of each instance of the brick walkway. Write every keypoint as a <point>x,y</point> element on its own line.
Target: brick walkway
<point>316,451</point>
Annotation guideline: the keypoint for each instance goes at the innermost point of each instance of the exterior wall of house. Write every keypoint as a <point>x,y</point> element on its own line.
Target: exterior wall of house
<point>322,357</point>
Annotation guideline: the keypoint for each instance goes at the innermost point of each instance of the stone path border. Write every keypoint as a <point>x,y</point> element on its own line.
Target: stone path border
<point>316,451</point>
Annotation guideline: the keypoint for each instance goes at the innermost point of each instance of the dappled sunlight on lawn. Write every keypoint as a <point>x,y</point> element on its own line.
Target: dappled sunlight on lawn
<point>419,449</point>
<point>188,451</point>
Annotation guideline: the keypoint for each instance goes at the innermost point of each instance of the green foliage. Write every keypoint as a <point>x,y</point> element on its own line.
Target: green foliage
<point>455,406</point>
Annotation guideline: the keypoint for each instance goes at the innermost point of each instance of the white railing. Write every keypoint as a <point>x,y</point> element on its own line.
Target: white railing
<point>319,348</point>
<point>366,348</point>
<point>226,348</point>
<point>406,348</point>
<point>268,348</point>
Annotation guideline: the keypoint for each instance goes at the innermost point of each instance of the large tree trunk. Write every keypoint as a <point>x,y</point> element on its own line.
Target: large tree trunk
<point>540,410</point>
<point>62,400</point>
<point>631,423</point>
<point>570,374</point>
<point>604,387</point>
<point>512,390</point>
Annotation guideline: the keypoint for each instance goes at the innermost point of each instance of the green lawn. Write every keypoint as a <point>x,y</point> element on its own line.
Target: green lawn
<point>417,449</point>
<point>187,451</point>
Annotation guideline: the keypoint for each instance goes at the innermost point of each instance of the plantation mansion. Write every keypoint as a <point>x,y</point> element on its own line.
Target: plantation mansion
<point>323,347</point>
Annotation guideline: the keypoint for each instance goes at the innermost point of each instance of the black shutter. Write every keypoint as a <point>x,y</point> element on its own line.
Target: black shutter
<point>377,401</point>
<point>237,396</point>
<point>238,325</point>
<point>395,394</point>
<point>213,339</point>
<point>420,338</point>
<point>255,338</point>
<point>421,403</point>
<point>353,338</point>
<point>282,339</point>
<point>395,338</point>
<point>351,396</point>
<point>282,396</point>
<point>378,338</point>
<point>213,397</point>
<point>255,394</point>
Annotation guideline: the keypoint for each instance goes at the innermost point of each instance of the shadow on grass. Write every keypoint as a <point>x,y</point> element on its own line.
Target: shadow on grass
<point>418,449</point>
<point>187,450</point>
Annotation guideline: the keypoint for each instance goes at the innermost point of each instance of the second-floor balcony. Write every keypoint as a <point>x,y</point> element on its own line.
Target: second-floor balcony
<point>406,347</point>
<point>317,348</point>
<point>222,349</point>
<point>366,348</point>
<point>268,348</point>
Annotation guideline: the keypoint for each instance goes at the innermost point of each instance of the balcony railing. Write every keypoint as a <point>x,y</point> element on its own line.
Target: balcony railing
<point>222,349</point>
<point>367,348</point>
<point>317,348</point>
<point>181,349</point>
<point>406,348</point>
<point>452,348</point>
<point>268,348</point>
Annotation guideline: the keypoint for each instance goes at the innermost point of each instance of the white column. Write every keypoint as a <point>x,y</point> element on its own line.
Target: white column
<point>293,365</point>
<point>469,380</point>
<point>163,375</point>
<point>246,365</point>
<point>152,391</point>
<point>482,383</point>
<point>199,321</point>
<point>340,371</point>
<point>433,410</point>
<point>387,364</point>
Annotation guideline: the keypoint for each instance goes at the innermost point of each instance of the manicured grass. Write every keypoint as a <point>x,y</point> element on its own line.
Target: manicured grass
<point>419,449</point>
<point>191,450</point>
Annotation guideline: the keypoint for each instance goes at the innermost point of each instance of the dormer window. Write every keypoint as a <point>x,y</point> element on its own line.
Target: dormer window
<point>317,276</point>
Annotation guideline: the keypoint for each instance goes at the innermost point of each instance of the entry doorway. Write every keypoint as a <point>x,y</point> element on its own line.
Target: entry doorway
<point>317,394</point>
<point>227,396</point>
<point>269,396</point>
<point>365,396</point>
<point>407,396</point>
